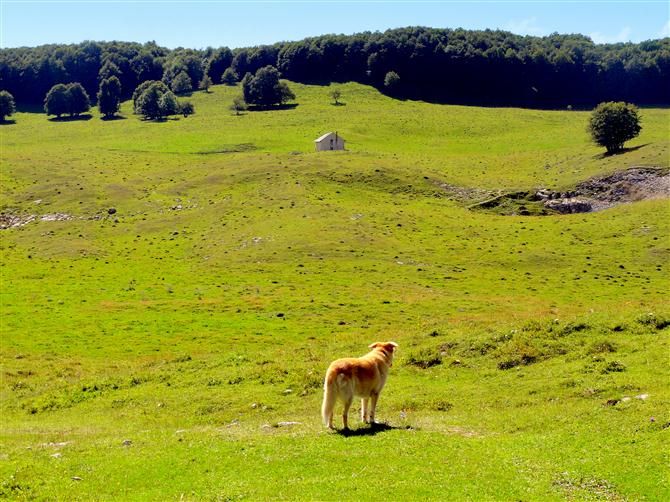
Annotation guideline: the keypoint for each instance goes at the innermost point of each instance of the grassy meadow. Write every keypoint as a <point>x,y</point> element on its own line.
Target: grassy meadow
<point>175,350</point>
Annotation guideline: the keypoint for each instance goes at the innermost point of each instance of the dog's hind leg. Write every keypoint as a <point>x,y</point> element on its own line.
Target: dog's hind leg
<point>365,410</point>
<point>345,414</point>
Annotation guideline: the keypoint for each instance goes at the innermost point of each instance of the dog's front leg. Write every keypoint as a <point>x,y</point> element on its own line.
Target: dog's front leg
<point>373,406</point>
<point>365,410</point>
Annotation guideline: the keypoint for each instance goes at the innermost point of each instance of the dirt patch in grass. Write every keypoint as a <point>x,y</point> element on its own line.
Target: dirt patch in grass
<point>595,194</point>
<point>587,489</point>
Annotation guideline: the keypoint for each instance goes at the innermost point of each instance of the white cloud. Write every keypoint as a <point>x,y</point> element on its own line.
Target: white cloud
<point>526,26</point>
<point>665,31</point>
<point>622,36</point>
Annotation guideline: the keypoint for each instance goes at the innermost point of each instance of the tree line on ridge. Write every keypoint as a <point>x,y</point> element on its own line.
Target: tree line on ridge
<point>441,65</point>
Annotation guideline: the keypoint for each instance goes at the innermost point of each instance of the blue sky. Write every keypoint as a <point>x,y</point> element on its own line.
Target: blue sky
<point>202,23</point>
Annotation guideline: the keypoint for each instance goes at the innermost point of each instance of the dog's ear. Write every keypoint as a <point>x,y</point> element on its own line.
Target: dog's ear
<point>391,346</point>
<point>373,345</point>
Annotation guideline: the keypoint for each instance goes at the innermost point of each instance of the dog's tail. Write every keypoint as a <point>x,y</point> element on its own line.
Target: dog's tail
<point>329,397</point>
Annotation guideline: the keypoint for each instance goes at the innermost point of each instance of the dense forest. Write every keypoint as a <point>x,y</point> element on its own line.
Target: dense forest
<point>443,65</point>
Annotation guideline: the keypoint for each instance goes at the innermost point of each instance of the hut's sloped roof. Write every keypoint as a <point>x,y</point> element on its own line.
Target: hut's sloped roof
<point>321,138</point>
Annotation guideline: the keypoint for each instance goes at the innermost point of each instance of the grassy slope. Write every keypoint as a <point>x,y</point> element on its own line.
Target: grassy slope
<point>161,325</point>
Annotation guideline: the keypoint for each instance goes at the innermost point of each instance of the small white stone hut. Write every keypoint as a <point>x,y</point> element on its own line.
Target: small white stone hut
<point>329,141</point>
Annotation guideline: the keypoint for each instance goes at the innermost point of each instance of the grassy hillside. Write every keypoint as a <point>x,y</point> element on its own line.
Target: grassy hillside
<point>203,313</point>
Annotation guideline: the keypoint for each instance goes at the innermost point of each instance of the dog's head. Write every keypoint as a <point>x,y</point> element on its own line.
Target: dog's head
<point>388,348</point>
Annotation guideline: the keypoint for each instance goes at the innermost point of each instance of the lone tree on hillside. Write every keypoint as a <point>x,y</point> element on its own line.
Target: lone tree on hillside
<point>57,101</point>
<point>229,77</point>
<point>109,96</point>
<point>336,94</point>
<point>613,123</point>
<point>265,89</point>
<point>186,108</point>
<point>205,83</point>
<point>392,82</point>
<point>238,105</point>
<point>7,105</point>
<point>78,100</point>
<point>182,84</point>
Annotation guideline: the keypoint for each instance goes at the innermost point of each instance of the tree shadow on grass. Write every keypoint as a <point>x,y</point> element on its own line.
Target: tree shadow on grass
<point>604,155</point>
<point>160,120</point>
<point>113,118</point>
<point>82,117</point>
<point>259,108</point>
<point>371,430</point>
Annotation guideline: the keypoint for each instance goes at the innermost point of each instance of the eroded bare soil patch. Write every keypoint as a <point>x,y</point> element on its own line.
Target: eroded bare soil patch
<point>598,193</point>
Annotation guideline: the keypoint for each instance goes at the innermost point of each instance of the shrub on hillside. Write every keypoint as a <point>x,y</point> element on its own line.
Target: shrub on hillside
<point>612,124</point>
<point>238,105</point>
<point>7,105</point>
<point>336,94</point>
<point>229,77</point>
<point>186,108</point>
<point>205,83</point>
<point>392,82</point>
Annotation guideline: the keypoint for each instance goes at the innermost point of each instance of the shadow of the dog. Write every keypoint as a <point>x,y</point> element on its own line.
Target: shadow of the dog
<point>372,429</point>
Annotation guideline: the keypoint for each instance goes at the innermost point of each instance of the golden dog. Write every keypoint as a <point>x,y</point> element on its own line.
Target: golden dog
<point>363,377</point>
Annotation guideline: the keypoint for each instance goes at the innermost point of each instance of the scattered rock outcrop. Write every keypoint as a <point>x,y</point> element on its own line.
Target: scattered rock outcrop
<point>602,192</point>
<point>595,194</point>
<point>567,206</point>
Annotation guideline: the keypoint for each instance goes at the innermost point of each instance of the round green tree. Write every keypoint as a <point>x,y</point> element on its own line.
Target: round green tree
<point>186,108</point>
<point>168,105</point>
<point>182,84</point>
<point>149,102</point>
<point>613,123</point>
<point>139,90</point>
<point>265,89</point>
<point>78,101</point>
<point>392,81</point>
<point>57,101</point>
<point>229,77</point>
<point>205,83</point>
<point>238,105</point>
<point>7,105</point>
<point>109,96</point>
<point>336,94</point>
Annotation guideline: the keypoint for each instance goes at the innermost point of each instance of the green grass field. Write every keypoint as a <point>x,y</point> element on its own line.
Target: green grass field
<point>202,314</point>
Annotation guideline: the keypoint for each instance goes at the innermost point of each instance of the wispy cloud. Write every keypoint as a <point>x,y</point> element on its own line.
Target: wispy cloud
<point>527,26</point>
<point>665,31</point>
<point>622,36</point>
